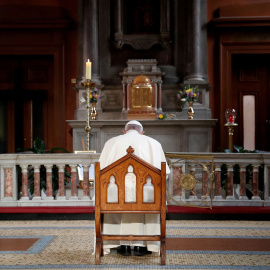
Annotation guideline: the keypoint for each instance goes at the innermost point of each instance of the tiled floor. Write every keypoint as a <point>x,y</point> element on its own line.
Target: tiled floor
<point>190,245</point>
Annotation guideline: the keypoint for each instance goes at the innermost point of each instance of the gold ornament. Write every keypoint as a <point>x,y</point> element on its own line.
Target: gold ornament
<point>187,181</point>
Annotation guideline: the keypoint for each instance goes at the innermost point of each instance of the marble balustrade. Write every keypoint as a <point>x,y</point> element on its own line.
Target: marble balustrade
<point>15,192</point>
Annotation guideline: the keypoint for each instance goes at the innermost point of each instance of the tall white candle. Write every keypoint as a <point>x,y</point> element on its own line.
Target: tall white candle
<point>88,70</point>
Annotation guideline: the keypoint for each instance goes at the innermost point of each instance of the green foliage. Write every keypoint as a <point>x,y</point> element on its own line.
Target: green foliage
<point>39,147</point>
<point>240,149</point>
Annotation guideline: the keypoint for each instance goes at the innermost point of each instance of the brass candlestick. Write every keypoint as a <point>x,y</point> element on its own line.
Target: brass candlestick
<point>87,84</point>
<point>230,127</point>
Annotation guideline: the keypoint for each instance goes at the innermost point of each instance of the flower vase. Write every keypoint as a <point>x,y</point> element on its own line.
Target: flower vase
<point>190,111</point>
<point>94,111</point>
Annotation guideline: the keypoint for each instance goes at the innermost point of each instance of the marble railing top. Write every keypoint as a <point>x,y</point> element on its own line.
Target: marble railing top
<point>32,159</point>
<point>90,158</point>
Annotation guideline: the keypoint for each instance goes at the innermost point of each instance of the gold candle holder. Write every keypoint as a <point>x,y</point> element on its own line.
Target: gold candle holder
<point>87,84</point>
<point>231,127</point>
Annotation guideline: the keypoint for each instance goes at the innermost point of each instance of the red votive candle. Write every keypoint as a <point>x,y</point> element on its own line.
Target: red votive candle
<point>230,119</point>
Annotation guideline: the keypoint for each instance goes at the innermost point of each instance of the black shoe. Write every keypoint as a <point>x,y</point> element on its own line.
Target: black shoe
<point>141,251</point>
<point>124,250</point>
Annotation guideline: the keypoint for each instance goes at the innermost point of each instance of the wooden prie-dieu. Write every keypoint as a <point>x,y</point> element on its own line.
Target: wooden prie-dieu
<point>142,172</point>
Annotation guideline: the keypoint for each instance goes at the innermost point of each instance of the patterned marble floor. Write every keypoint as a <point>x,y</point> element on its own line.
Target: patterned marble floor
<point>191,244</point>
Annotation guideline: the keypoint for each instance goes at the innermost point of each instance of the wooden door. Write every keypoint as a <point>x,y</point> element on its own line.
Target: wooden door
<point>26,94</point>
<point>250,78</point>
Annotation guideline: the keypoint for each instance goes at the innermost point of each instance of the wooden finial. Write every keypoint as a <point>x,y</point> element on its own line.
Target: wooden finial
<point>130,150</point>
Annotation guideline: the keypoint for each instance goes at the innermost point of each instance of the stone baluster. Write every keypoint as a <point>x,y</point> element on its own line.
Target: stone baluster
<point>8,180</point>
<point>74,190</point>
<point>204,182</point>
<point>243,170</point>
<point>49,189</point>
<point>218,182</point>
<point>36,183</point>
<point>86,182</point>
<point>255,183</point>
<point>193,195</point>
<point>61,182</point>
<point>25,196</point>
<point>230,182</point>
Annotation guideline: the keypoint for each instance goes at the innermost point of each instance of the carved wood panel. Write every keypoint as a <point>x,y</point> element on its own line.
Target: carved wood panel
<point>119,170</point>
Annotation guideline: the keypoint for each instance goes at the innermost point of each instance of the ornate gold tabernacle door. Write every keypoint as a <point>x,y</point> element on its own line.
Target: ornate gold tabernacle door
<point>142,99</point>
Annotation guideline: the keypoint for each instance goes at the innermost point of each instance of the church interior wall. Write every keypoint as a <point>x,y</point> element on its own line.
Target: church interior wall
<point>171,60</point>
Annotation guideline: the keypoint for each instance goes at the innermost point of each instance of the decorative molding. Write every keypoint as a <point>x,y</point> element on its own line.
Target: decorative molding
<point>243,15</point>
<point>141,42</point>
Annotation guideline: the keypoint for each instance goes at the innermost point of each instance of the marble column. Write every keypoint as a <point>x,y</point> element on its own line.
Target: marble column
<point>156,95</point>
<point>8,180</point>
<point>255,183</point>
<point>88,22</point>
<point>243,182</point>
<point>74,190</point>
<point>124,96</point>
<point>204,182</point>
<point>25,196</point>
<point>61,182</point>
<point>118,19</point>
<point>230,183</point>
<point>49,188</point>
<point>177,173</point>
<point>36,183</point>
<point>159,97</point>
<point>218,182</point>
<point>193,64</point>
<point>128,102</point>
<point>193,195</point>
<point>86,182</point>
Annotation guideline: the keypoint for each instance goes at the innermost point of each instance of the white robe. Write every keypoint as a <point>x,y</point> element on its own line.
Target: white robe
<point>150,151</point>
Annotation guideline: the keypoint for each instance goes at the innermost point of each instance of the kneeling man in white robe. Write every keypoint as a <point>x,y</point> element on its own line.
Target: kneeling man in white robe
<point>150,151</point>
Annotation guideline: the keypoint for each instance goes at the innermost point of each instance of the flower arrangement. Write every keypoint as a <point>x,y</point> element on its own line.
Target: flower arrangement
<point>94,95</point>
<point>161,116</point>
<point>190,94</point>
